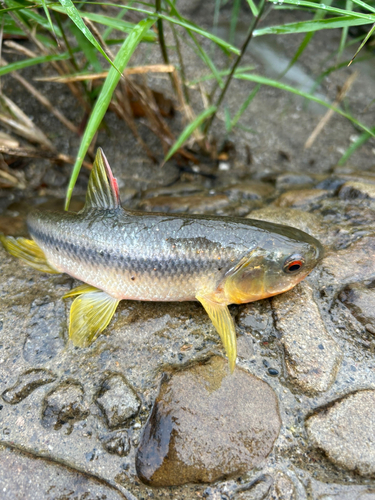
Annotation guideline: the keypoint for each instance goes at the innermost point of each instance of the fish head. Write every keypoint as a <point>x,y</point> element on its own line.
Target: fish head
<point>283,258</point>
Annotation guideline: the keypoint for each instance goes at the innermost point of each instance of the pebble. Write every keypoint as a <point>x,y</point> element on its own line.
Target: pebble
<point>354,189</point>
<point>116,443</point>
<point>360,300</point>
<point>312,357</point>
<point>345,431</point>
<point>293,181</point>
<point>207,424</point>
<point>196,204</point>
<point>282,488</point>
<point>255,190</point>
<point>64,405</point>
<point>26,384</point>
<point>301,198</point>
<point>117,400</point>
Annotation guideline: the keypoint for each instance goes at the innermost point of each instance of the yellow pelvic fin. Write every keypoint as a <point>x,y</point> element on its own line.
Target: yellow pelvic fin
<point>224,324</point>
<point>29,252</point>
<point>90,314</point>
<point>79,290</point>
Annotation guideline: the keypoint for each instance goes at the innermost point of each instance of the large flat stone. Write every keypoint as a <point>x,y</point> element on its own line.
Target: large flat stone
<point>312,357</point>
<point>208,424</point>
<point>346,432</point>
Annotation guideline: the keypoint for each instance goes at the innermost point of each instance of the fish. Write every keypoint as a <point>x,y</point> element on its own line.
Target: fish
<point>123,254</point>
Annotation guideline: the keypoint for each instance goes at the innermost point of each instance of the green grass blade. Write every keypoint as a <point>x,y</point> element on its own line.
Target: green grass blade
<point>234,20</point>
<point>357,144</point>
<point>363,43</point>
<point>178,20</point>
<point>31,15</point>
<point>254,9</point>
<point>112,22</point>
<point>225,72</point>
<point>71,11</point>
<point>46,11</point>
<point>244,106</point>
<point>327,8</point>
<point>101,106</point>
<point>288,88</point>
<point>305,42</point>
<point>364,5</point>
<point>188,130</point>
<point>87,48</point>
<point>317,25</point>
<point>344,33</point>
<point>25,63</point>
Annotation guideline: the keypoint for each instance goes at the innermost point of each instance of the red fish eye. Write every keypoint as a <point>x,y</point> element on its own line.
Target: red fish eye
<point>294,265</point>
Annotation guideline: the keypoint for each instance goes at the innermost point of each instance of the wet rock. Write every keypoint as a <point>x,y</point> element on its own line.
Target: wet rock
<point>117,400</point>
<point>345,432</point>
<point>64,405</point>
<point>27,477</point>
<point>178,188</point>
<point>355,189</point>
<point>282,488</point>
<point>12,226</point>
<point>256,317</point>
<point>45,331</point>
<point>293,181</point>
<point>360,300</point>
<point>116,443</point>
<point>185,204</point>
<point>310,223</point>
<point>312,357</point>
<point>255,190</point>
<point>256,490</point>
<point>301,198</point>
<point>26,384</point>
<point>207,424</point>
<point>352,264</point>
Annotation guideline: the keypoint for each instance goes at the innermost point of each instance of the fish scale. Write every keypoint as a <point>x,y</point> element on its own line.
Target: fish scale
<point>136,261</point>
<point>123,254</point>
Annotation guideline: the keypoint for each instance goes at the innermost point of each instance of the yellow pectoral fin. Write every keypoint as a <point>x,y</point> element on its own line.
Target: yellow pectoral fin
<point>224,324</point>
<point>89,315</point>
<point>29,252</point>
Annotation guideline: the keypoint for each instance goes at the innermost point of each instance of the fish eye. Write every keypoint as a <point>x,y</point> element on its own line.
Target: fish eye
<point>293,264</point>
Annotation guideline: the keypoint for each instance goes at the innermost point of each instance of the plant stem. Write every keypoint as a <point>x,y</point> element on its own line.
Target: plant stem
<point>252,27</point>
<point>163,47</point>
<point>159,24</point>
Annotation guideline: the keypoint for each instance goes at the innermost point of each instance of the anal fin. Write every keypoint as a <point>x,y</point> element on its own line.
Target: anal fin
<point>90,314</point>
<point>29,252</point>
<point>224,324</point>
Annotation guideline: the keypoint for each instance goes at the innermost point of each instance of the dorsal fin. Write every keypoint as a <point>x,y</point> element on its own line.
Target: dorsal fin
<point>102,191</point>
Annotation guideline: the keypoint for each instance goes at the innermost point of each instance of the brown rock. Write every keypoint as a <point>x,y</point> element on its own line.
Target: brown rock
<point>255,190</point>
<point>355,189</point>
<point>300,197</point>
<point>207,424</point>
<point>355,263</point>
<point>196,204</point>
<point>346,432</point>
<point>312,357</point>
<point>360,300</point>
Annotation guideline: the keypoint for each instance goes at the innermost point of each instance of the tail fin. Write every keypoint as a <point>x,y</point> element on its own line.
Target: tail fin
<point>29,252</point>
